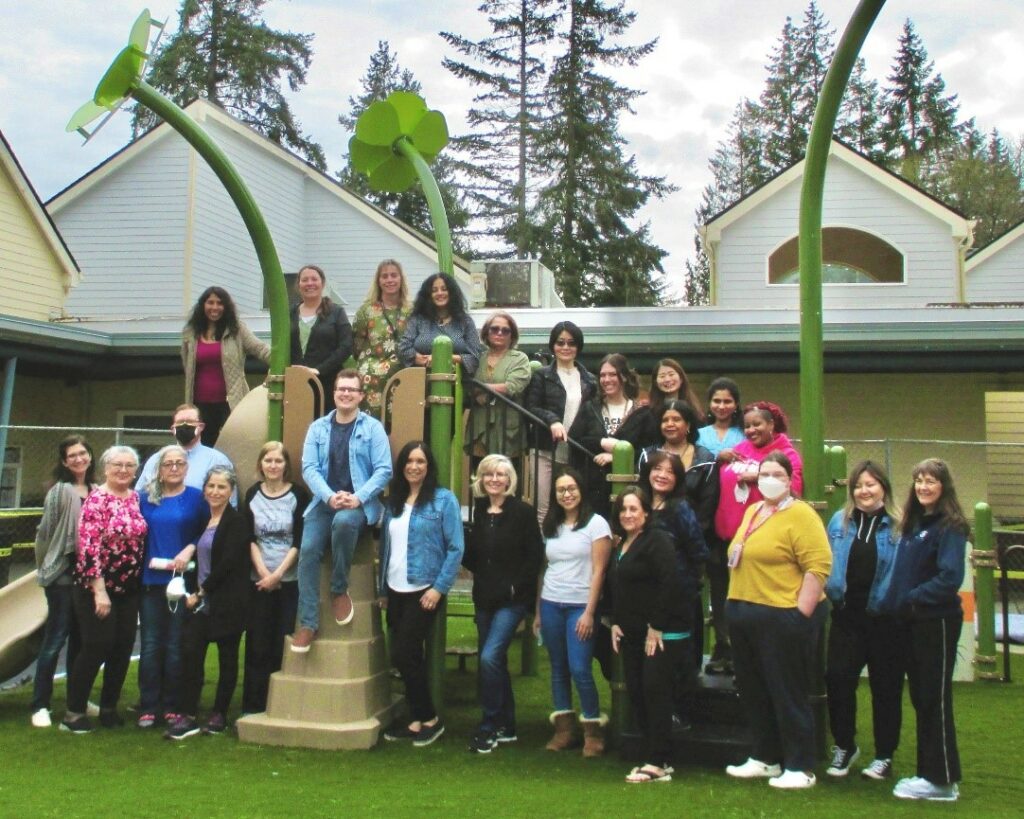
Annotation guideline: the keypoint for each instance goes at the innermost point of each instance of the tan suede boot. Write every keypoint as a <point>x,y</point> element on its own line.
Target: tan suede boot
<point>565,731</point>
<point>593,735</point>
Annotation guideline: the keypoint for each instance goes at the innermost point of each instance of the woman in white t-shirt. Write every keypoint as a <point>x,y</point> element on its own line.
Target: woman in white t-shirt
<point>577,548</point>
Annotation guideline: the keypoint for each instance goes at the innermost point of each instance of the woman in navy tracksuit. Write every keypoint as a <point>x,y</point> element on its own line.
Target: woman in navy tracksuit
<point>924,592</point>
<point>863,541</point>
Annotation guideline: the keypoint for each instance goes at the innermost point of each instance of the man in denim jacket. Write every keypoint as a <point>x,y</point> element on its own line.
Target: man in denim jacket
<point>346,463</point>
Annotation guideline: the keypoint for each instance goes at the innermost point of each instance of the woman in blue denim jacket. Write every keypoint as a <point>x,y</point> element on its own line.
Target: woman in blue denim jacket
<point>421,549</point>
<point>863,550</point>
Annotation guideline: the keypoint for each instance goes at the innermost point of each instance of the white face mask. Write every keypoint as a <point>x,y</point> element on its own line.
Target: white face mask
<point>175,591</point>
<point>771,487</point>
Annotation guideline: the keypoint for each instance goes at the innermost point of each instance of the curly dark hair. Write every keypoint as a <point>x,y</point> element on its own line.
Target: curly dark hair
<point>227,323</point>
<point>424,304</point>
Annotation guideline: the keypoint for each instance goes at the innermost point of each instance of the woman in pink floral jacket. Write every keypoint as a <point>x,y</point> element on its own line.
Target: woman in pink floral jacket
<point>111,534</point>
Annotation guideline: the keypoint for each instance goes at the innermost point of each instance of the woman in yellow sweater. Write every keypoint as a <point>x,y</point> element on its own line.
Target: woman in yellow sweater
<point>779,561</point>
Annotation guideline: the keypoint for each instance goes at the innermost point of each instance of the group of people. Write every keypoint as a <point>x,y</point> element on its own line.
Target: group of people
<point>719,492</point>
<point>170,552</point>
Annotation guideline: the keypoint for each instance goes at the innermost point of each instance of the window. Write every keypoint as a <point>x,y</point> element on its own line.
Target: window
<point>849,256</point>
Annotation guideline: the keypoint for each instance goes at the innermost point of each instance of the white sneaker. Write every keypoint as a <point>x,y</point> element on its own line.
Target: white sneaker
<point>917,787</point>
<point>92,710</point>
<point>41,718</point>
<point>793,780</point>
<point>753,769</point>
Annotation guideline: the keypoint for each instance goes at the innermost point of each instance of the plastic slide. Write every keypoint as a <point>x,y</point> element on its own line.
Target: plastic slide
<point>22,615</point>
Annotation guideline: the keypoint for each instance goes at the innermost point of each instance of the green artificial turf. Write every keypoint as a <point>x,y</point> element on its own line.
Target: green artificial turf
<point>133,773</point>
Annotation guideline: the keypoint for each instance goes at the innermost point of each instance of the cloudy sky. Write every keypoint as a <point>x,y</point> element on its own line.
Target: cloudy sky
<point>709,55</point>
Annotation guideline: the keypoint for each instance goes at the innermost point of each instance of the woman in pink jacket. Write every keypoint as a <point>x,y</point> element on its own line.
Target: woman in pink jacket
<point>764,425</point>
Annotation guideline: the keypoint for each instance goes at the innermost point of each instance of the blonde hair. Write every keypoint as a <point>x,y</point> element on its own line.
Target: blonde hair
<point>491,463</point>
<point>374,294</point>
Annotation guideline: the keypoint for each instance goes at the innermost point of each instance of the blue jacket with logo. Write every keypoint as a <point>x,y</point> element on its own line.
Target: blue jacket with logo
<point>927,572</point>
<point>841,534</point>
<point>436,543</point>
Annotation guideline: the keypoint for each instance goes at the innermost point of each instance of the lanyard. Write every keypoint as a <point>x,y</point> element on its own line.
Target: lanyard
<point>756,524</point>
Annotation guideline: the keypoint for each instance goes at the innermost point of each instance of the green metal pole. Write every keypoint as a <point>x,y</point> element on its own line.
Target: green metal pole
<point>266,252</point>
<point>812,401</point>
<point>442,404</point>
<point>622,476</point>
<point>983,558</point>
<point>837,479</point>
<point>438,215</point>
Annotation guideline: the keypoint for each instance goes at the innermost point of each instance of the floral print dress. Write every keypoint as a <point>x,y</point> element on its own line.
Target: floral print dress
<point>111,536</point>
<point>376,332</point>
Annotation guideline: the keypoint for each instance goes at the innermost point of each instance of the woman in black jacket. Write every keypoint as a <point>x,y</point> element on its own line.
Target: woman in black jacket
<point>321,337</point>
<point>218,594</point>
<point>650,620</point>
<point>504,552</point>
<point>556,394</point>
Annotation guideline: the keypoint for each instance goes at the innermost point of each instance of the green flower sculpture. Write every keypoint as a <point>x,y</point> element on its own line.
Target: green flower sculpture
<point>395,140</point>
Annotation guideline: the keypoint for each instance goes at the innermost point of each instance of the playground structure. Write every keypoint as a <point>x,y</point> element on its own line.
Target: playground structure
<point>307,697</point>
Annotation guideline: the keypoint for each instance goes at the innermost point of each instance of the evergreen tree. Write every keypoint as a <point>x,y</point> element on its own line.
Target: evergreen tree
<point>383,75</point>
<point>224,51</point>
<point>500,165</point>
<point>859,124</point>
<point>920,119</point>
<point>587,232</point>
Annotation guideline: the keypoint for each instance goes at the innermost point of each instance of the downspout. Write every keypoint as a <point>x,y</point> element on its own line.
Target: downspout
<point>6,399</point>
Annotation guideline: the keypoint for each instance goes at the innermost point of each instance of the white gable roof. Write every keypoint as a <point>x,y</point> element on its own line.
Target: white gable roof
<point>991,249</point>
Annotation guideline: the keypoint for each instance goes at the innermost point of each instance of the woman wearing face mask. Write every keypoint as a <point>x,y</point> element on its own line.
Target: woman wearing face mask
<point>321,336</point>
<point>765,427</point>
<point>651,619</point>
<point>779,561</point>
<point>924,593</point>
<point>175,514</point>
<point>863,547</point>
<point>216,606</point>
<point>214,345</point>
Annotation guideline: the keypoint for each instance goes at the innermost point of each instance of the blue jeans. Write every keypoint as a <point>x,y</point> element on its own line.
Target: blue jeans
<point>571,658</point>
<point>496,630</point>
<point>342,528</point>
<point>60,623</point>
<point>160,652</point>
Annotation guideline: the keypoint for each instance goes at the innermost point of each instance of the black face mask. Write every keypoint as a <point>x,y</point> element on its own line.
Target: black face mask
<point>185,433</point>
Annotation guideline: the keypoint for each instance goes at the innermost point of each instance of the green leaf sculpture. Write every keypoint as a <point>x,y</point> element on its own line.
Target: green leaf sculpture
<point>395,140</point>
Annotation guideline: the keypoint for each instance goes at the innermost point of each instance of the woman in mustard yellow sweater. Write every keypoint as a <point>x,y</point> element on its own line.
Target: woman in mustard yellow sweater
<point>779,561</point>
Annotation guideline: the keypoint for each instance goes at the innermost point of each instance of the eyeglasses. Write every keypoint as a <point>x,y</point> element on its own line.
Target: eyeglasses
<point>348,390</point>
<point>566,490</point>
<point>174,464</point>
<point>497,330</point>
<point>565,342</point>
<point>122,467</point>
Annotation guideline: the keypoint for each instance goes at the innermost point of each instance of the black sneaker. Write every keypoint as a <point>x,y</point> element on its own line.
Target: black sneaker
<point>879,769</point>
<point>216,724</point>
<point>483,743</point>
<point>109,718</point>
<point>427,734</point>
<point>503,735</point>
<point>78,725</point>
<point>842,759</point>
<point>183,729</point>
<point>399,731</point>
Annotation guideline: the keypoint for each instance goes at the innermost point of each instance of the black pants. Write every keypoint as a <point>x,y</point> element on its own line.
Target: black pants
<point>718,581</point>
<point>650,683</point>
<point>271,617</point>
<point>408,624</point>
<point>930,673</point>
<point>773,653</point>
<point>107,642</point>
<point>195,640</point>
<point>214,417</point>
<point>856,639</point>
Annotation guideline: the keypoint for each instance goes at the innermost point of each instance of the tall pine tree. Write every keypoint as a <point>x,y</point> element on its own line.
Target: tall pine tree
<point>383,75</point>
<point>499,161</point>
<point>587,232</point>
<point>223,51</point>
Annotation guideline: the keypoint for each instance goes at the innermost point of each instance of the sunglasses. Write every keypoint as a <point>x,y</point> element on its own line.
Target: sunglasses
<point>495,330</point>
<point>565,342</point>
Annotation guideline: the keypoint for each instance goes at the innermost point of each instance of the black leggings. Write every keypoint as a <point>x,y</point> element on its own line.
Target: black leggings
<point>107,642</point>
<point>195,640</point>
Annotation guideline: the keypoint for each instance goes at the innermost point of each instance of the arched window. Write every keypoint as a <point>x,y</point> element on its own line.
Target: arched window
<point>849,256</point>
